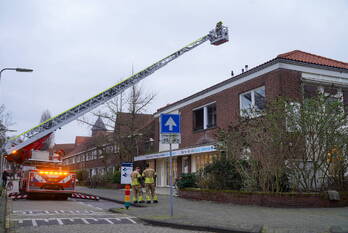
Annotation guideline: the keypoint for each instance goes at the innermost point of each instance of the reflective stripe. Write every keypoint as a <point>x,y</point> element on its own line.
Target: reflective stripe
<point>149,180</point>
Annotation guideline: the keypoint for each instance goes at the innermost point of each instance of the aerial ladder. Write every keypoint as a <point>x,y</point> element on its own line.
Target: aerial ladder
<point>19,148</point>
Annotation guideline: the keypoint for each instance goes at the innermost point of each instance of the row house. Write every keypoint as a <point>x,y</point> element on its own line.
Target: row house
<point>295,74</point>
<point>101,153</point>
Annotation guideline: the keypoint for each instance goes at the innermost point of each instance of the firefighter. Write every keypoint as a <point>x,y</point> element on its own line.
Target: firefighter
<point>150,175</point>
<point>218,28</point>
<point>136,186</point>
<point>5,176</point>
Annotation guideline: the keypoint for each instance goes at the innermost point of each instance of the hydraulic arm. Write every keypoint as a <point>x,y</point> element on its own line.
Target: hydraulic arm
<point>216,36</point>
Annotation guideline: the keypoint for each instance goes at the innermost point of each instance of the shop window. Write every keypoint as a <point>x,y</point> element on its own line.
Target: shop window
<point>204,117</point>
<point>252,101</point>
<point>203,160</point>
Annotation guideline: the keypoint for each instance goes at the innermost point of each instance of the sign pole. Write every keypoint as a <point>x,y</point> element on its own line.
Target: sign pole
<point>171,177</point>
<point>170,133</point>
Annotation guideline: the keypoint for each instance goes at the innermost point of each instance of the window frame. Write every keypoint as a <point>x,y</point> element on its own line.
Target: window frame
<point>206,125</point>
<point>252,91</point>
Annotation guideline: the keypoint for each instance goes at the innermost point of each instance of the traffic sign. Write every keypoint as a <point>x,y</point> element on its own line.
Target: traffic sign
<point>170,138</point>
<point>126,171</point>
<point>170,123</point>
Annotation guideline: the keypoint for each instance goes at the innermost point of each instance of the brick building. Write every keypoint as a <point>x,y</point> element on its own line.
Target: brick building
<point>294,74</point>
<point>102,151</point>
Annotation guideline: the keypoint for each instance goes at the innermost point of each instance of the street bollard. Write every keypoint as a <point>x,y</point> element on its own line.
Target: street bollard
<point>127,196</point>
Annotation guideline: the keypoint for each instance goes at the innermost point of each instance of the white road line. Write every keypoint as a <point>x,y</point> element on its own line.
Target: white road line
<point>60,222</point>
<point>131,220</point>
<point>34,222</point>
<point>84,220</point>
<point>108,220</point>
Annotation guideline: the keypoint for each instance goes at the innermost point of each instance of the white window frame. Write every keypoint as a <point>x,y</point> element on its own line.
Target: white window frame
<point>205,115</point>
<point>241,109</point>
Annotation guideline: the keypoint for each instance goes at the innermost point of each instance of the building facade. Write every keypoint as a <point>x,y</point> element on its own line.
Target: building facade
<point>295,74</point>
<point>104,150</point>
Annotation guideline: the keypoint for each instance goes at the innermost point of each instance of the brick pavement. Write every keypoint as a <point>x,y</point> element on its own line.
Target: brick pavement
<point>230,216</point>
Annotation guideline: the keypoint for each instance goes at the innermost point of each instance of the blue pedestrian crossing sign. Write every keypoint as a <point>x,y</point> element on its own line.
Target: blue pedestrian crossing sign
<point>170,123</point>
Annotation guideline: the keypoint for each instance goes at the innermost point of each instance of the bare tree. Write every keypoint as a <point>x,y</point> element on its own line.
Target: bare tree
<point>304,141</point>
<point>49,142</point>
<point>122,116</point>
<point>5,122</point>
<point>321,123</point>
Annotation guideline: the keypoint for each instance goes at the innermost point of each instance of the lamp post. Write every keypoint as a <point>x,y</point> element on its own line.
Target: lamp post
<point>16,69</point>
<point>2,159</point>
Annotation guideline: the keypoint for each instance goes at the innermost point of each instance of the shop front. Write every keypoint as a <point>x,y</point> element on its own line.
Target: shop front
<point>185,160</point>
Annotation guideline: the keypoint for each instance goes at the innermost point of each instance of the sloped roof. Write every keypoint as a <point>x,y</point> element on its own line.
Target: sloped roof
<point>295,56</point>
<point>99,125</point>
<point>298,55</point>
<point>67,148</point>
<point>124,120</point>
<point>81,140</point>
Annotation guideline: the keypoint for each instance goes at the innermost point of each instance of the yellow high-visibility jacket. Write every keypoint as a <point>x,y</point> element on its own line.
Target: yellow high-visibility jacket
<point>149,174</point>
<point>135,175</point>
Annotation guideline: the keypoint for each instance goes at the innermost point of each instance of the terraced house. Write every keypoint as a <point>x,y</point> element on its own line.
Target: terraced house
<point>295,74</point>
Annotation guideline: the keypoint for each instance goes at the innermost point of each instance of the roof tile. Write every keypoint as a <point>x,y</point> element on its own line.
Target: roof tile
<point>298,55</point>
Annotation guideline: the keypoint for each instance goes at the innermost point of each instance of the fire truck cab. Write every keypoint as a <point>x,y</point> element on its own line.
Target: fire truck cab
<point>42,177</point>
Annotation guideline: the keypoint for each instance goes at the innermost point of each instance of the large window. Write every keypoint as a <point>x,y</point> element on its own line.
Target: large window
<point>252,100</point>
<point>204,117</point>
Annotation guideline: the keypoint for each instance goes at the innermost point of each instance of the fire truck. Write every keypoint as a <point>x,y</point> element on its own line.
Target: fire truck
<point>44,176</point>
<point>47,177</point>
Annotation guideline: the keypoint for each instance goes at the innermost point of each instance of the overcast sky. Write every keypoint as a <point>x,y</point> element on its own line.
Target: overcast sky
<point>79,48</point>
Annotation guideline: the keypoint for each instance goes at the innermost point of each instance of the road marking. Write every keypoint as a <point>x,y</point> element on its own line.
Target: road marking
<point>56,212</point>
<point>84,220</point>
<point>60,222</point>
<point>34,222</point>
<point>131,220</point>
<point>108,220</point>
<point>37,222</point>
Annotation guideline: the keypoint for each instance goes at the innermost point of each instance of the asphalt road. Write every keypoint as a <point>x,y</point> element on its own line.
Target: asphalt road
<point>75,215</point>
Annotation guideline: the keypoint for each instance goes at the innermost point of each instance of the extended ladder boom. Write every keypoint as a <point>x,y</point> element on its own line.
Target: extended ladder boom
<point>217,36</point>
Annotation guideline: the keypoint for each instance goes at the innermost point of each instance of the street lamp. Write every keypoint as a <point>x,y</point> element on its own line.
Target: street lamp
<point>2,159</point>
<point>16,69</point>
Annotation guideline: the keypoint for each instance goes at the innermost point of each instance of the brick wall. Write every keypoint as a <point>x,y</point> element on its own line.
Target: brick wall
<point>280,82</point>
<point>310,200</point>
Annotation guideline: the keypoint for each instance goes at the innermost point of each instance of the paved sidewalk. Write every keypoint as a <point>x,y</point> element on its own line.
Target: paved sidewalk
<point>235,217</point>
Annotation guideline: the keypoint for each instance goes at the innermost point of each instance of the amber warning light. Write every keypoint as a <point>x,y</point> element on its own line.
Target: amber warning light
<point>53,173</point>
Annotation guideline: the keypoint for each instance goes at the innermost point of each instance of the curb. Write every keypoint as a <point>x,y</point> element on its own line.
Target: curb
<point>255,229</point>
<point>8,207</point>
<point>113,200</point>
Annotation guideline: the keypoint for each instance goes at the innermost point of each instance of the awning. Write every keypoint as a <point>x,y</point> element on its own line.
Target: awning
<point>180,152</point>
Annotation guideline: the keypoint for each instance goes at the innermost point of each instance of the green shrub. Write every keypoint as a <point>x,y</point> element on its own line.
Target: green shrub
<point>222,173</point>
<point>82,175</point>
<point>186,181</point>
<point>116,178</point>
